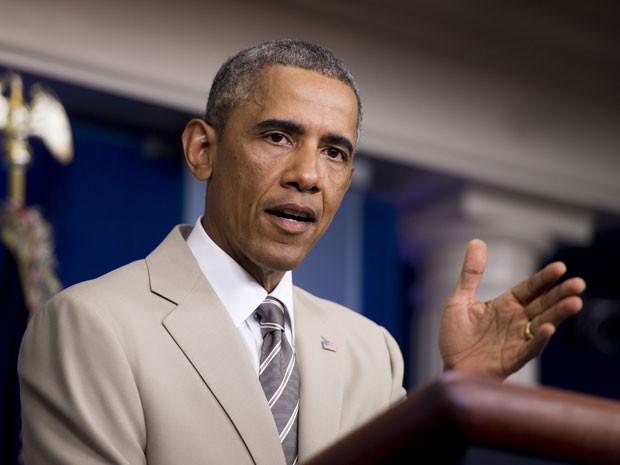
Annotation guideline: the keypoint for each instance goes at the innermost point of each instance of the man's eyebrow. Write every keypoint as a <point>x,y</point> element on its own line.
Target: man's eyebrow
<point>295,128</point>
<point>336,139</point>
<point>283,124</point>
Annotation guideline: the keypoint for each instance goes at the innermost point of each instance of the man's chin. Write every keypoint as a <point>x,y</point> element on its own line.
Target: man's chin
<point>283,258</point>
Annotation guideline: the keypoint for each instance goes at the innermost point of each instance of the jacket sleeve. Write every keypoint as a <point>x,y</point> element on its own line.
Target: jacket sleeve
<point>80,404</point>
<point>397,366</point>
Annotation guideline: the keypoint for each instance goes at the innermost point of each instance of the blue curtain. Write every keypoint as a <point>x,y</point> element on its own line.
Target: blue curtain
<point>112,204</point>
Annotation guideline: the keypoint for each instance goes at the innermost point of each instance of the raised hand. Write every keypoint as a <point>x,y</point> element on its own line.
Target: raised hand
<point>499,336</point>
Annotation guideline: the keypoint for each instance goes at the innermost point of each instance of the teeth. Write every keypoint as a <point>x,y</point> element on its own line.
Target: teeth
<point>293,213</point>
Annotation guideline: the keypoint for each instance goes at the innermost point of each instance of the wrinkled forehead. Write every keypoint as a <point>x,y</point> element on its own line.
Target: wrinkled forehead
<point>298,90</point>
<point>281,85</point>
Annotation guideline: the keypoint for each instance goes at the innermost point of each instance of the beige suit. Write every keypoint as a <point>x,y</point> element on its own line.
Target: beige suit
<point>144,365</point>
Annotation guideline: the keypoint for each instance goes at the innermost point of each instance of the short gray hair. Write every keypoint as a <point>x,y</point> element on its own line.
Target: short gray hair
<point>237,79</point>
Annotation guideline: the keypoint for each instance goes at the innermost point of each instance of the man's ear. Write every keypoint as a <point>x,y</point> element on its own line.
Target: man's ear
<point>199,144</point>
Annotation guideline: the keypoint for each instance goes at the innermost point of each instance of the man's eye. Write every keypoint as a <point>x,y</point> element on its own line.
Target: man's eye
<point>333,152</point>
<point>276,138</point>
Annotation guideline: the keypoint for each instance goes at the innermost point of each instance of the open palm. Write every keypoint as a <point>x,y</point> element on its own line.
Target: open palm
<point>489,337</point>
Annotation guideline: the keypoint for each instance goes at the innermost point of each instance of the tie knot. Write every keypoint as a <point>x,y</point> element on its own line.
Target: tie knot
<point>270,315</point>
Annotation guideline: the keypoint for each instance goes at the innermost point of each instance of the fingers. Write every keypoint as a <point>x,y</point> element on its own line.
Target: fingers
<point>529,289</point>
<point>555,315</point>
<point>473,267</point>
<point>548,311</point>
<point>537,345</point>
<point>563,298</point>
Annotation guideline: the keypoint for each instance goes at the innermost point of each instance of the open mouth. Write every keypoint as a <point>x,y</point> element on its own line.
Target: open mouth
<point>293,215</point>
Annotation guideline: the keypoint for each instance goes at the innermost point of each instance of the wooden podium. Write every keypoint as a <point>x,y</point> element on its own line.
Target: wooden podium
<point>466,419</point>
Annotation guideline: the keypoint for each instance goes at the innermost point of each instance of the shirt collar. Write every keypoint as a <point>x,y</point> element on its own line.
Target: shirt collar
<point>235,287</point>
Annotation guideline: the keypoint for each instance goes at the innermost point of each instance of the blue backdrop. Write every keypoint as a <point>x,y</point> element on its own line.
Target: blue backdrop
<point>113,203</point>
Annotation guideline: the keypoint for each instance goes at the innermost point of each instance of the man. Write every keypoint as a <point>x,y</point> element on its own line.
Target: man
<point>161,361</point>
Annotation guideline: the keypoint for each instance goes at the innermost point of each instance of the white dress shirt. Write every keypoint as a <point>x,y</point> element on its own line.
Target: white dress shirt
<point>239,291</point>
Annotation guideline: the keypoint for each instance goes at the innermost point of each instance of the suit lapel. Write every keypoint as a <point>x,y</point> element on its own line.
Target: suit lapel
<point>203,330</point>
<point>322,378</point>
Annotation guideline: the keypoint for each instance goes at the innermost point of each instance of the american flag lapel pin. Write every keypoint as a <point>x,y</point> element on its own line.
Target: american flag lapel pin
<point>328,345</point>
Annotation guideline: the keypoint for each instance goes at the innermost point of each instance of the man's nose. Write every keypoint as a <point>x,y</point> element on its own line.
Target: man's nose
<point>303,170</point>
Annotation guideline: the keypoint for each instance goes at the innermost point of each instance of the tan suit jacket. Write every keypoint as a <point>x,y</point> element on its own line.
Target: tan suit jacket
<point>144,365</point>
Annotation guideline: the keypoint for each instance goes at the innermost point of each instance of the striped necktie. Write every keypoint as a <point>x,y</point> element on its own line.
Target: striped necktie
<point>278,374</point>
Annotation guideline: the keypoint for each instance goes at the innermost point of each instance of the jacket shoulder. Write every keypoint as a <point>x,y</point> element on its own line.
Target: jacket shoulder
<point>331,309</point>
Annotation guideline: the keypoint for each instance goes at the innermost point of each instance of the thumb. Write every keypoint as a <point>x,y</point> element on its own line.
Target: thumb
<point>473,267</point>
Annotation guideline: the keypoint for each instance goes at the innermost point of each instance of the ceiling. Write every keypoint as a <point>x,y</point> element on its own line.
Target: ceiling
<point>571,44</point>
<point>567,45</point>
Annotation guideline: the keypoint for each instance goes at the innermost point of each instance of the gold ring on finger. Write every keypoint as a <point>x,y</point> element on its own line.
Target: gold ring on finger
<point>527,332</point>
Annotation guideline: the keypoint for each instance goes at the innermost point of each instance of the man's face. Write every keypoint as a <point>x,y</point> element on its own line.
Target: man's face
<point>280,169</point>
